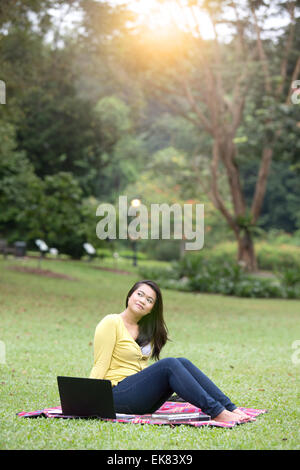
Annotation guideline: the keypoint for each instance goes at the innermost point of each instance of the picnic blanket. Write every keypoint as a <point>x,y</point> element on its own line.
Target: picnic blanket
<point>167,407</point>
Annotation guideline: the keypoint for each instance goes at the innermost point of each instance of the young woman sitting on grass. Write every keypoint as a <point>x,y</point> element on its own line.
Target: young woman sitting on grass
<point>124,343</point>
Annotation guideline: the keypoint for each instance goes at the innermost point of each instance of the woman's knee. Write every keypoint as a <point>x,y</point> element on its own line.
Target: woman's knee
<point>174,360</point>
<point>169,361</point>
<point>184,361</point>
<point>172,363</point>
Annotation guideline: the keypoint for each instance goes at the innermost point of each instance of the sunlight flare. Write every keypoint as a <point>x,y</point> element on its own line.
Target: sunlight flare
<point>163,16</point>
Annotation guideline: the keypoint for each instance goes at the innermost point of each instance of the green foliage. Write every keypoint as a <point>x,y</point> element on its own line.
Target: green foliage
<point>52,209</point>
<point>282,200</point>
<point>164,250</point>
<point>78,106</point>
<point>278,237</point>
<point>20,188</point>
<point>225,280</point>
<point>281,257</point>
<point>270,255</point>
<point>217,272</point>
<point>290,277</point>
<point>168,130</point>
<point>60,214</point>
<point>57,129</point>
<point>114,118</point>
<point>161,273</point>
<point>260,288</point>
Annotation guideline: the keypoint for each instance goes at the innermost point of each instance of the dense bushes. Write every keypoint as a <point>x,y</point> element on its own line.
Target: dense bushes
<point>280,257</point>
<point>218,272</point>
<point>270,256</point>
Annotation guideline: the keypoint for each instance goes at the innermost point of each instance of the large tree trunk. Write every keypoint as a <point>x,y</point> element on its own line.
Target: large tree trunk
<point>246,253</point>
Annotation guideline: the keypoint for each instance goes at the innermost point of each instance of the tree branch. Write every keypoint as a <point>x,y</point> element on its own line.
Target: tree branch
<point>238,110</point>
<point>287,49</point>
<point>160,92</point>
<point>261,53</point>
<point>261,183</point>
<point>239,94</point>
<point>227,154</point>
<point>240,31</point>
<point>214,194</point>
<point>219,79</point>
<point>195,108</point>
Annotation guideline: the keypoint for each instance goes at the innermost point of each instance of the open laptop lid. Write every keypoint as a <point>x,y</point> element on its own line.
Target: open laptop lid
<point>85,397</point>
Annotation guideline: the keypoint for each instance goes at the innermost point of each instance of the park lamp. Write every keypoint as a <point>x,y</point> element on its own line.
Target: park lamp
<point>135,202</point>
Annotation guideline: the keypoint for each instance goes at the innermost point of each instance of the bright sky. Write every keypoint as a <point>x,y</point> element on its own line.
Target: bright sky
<point>157,16</point>
<point>152,13</point>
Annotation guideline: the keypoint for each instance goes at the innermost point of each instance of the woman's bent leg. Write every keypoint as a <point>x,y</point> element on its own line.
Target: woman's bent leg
<point>146,391</point>
<point>142,392</point>
<point>207,384</point>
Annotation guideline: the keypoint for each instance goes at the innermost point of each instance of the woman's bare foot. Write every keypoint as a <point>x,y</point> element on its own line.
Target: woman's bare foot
<point>226,415</point>
<point>243,415</point>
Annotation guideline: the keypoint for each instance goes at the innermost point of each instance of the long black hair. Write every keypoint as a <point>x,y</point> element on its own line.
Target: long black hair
<point>152,327</point>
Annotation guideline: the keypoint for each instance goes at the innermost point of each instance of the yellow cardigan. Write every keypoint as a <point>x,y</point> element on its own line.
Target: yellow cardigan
<point>116,354</point>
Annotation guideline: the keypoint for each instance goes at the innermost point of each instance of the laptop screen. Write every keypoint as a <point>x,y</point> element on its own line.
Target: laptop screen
<point>85,397</point>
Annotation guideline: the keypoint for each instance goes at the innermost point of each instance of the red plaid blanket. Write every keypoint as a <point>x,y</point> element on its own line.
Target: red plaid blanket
<point>167,407</point>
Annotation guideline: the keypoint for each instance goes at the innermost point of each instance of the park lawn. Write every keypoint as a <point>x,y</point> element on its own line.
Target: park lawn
<point>47,326</point>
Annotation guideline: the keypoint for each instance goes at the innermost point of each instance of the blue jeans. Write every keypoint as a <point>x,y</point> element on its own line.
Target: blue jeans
<point>147,390</point>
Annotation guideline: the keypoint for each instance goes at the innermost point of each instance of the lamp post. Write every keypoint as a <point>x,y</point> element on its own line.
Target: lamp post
<point>134,203</point>
<point>134,243</point>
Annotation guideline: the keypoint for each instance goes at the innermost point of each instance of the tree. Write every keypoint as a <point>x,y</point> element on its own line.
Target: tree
<point>281,206</point>
<point>58,130</point>
<point>52,209</point>
<point>50,101</point>
<point>123,150</point>
<point>59,216</point>
<point>20,189</point>
<point>209,83</point>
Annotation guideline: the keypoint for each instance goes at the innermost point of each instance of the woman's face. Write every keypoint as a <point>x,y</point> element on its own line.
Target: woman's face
<point>142,300</point>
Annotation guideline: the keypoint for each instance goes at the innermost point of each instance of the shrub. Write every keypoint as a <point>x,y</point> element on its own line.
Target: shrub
<point>290,277</point>
<point>227,278</point>
<point>176,284</point>
<point>157,273</point>
<point>277,257</point>
<point>165,250</point>
<point>269,256</point>
<point>258,288</point>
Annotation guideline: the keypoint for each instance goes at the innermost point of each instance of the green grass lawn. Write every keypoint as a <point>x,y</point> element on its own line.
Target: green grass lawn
<point>47,326</point>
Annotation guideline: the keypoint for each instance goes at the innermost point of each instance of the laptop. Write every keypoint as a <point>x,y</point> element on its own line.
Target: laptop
<point>86,398</point>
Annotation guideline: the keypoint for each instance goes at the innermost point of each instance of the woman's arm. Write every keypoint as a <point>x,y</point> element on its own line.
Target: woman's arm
<point>104,343</point>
